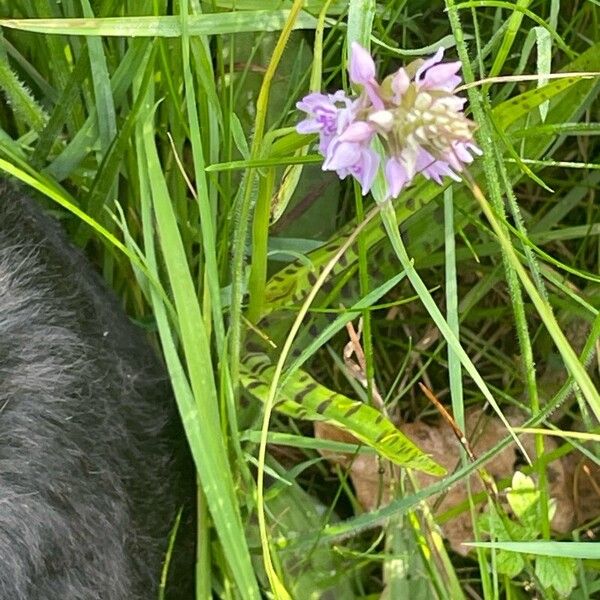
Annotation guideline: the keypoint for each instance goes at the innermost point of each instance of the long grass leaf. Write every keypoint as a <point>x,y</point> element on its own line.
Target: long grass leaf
<point>207,444</point>
<point>167,26</point>
<point>584,550</point>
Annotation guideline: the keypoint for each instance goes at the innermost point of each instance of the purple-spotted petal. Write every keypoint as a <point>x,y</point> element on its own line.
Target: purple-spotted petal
<point>312,101</point>
<point>322,114</point>
<point>366,170</point>
<point>396,177</point>
<point>361,67</point>
<point>341,155</point>
<point>327,115</point>
<point>359,131</point>
<point>308,126</point>
<point>441,77</point>
<point>324,142</point>
<point>347,158</point>
<point>434,60</point>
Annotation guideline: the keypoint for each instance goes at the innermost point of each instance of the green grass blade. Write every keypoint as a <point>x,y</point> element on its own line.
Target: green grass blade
<point>167,26</point>
<point>202,419</point>
<point>583,550</point>
<point>105,108</point>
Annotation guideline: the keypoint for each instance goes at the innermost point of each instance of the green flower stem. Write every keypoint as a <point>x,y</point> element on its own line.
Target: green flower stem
<point>363,274</point>
<point>260,243</point>
<point>454,369</point>
<point>264,202</point>
<point>243,217</point>
<point>525,344</point>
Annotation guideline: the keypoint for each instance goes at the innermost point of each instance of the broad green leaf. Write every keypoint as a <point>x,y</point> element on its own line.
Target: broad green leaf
<point>522,496</point>
<point>520,106</point>
<point>303,398</point>
<point>556,572</point>
<point>509,563</point>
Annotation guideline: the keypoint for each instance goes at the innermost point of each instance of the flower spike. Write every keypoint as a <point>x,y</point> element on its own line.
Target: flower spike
<point>414,114</point>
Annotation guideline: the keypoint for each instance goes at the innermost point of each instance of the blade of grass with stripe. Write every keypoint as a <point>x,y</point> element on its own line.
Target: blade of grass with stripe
<point>301,397</point>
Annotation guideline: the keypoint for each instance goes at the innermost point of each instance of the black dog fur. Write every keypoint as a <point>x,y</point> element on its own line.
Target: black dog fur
<point>92,459</point>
